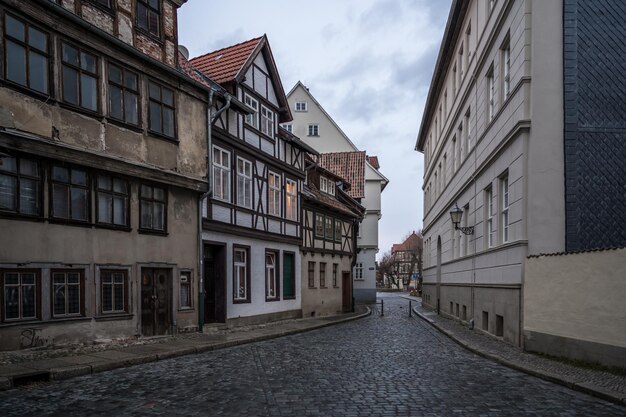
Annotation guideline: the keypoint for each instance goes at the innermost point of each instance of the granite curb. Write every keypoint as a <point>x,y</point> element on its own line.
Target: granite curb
<point>89,363</point>
<point>585,387</point>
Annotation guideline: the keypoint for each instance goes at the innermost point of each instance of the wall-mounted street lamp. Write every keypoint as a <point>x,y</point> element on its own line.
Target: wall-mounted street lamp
<point>456,214</point>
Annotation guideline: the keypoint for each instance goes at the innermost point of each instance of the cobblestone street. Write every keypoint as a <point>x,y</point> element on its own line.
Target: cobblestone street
<point>377,366</point>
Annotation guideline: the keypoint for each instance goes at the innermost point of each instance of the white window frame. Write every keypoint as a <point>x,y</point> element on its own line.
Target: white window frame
<point>506,70</point>
<point>323,184</point>
<point>291,199</point>
<point>504,189</point>
<point>314,129</point>
<point>288,127</point>
<point>267,121</point>
<point>238,268</point>
<point>253,118</point>
<point>244,183</point>
<point>273,193</point>
<point>221,170</point>
<point>301,106</point>
<point>489,216</point>
<point>491,95</point>
<point>330,187</point>
<point>358,271</point>
<point>271,276</point>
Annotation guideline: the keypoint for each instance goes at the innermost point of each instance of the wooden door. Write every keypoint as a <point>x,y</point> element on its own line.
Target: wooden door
<point>214,284</point>
<point>346,291</point>
<point>156,301</point>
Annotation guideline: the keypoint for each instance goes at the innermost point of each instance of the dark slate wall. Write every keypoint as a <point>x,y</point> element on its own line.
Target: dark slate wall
<point>594,70</point>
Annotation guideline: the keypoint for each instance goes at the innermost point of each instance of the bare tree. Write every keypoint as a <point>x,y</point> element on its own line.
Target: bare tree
<point>388,268</point>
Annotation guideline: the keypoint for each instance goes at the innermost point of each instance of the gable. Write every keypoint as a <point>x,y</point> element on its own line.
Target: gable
<point>258,79</point>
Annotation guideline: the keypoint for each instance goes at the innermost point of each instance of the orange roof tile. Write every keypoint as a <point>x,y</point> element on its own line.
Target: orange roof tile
<point>224,64</point>
<point>348,165</point>
<point>373,160</point>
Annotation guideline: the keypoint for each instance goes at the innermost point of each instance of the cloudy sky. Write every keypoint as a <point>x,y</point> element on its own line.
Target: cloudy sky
<point>367,62</point>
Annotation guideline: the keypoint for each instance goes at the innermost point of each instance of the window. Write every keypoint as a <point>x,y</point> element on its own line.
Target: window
<point>274,194</point>
<point>330,187</point>
<point>319,225</point>
<point>162,107</point>
<point>506,69</point>
<point>67,293</point>
<point>267,121</point>
<point>491,93</point>
<point>289,276</point>
<point>148,16</point>
<point>103,3</point>
<point>80,78</point>
<point>288,127</point>
<point>323,184</point>
<point>461,64</point>
<point>153,208</point>
<point>489,215</point>
<point>445,170</point>
<point>358,272</point>
<point>241,275</point>
<point>253,118</point>
<point>328,230</point>
<point>20,294</point>
<point>466,214</point>
<point>454,154</point>
<point>113,291</point>
<point>272,292</point>
<point>123,95</point>
<point>244,183</point>
<point>490,5</point>
<point>113,199</point>
<point>335,269</point>
<point>301,106</point>
<point>26,55</point>
<point>467,137</point>
<point>468,34</point>
<point>311,274</point>
<point>70,194</point>
<point>221,174</point>
<point>338,230</point>
<point>20,182</point>
<point>185,291</point>
<point>314,130</point>
<point>504,190</point>
<point>454,79</point>
<point>291,199</point>
<point>322,274</point>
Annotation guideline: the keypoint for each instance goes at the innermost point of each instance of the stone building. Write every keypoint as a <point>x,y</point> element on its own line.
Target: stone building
<point>102,164</point>
<point>523,129</point>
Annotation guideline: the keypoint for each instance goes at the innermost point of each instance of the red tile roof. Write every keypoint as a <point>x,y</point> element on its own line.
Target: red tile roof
<point>312,193</point>
<point>188,69</point>
<point>223,65</point>
<point>348,165</point>
<point>410,243</point>
<point>373,160</point>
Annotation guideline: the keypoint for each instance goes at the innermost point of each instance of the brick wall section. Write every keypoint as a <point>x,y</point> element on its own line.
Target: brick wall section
<point>594,65</point>
<point>98,18</point>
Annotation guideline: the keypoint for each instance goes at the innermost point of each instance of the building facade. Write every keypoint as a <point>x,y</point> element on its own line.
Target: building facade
<point>407,260</point>
<point>318,130</point>
<point>252,225</point>
<point>101,168</point>
<point>494,144</point>
<point>329,232</point>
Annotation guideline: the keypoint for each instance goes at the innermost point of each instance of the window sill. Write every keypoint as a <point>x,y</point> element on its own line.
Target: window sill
<point>311,136</point>
<point>88,112</point>
<point>29,92</point>
<point>157,135</point>
<point>289,298</point>
<point>151,36</point>
<point>242,302</point>
<point>23,322</point>
<point>125,125</point>
<point>69,222</point>
<point>152,232</point>
<point>19,216</point>
<point>114,316</point>
<point>113,227</point>
<point>108,10</point>
<point>64,319</point>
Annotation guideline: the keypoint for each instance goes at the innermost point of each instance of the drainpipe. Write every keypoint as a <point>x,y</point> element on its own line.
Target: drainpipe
<point>209,143</point>
<point>355,234</point>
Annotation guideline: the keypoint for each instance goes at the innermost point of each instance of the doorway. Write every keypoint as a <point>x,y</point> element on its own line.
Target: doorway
<point>346,292</point>
<point>215,283</point>
<point>156,301</point>
<point>438,274</point>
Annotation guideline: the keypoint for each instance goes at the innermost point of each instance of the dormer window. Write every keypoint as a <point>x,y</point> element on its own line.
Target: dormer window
<point>252,119</point>
<point>323,184</point>
<point>301,106</point>
<point>327,186</point>
<point>149,16</point>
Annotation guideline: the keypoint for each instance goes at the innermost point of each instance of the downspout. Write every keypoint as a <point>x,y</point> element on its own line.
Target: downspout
<point>355,233</point>
<point>209,143</point>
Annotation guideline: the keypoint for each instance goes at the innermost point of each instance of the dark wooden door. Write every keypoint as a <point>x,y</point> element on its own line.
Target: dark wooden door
<point>346,291</point>
<point>214,284</point>
<point>156,301</point>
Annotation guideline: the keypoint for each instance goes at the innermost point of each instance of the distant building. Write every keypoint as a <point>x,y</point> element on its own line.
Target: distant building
<point>329,224</point>
<point>524,128</point>
<point>338,154</point>
<point>252,220</point>
<point>407,259</point>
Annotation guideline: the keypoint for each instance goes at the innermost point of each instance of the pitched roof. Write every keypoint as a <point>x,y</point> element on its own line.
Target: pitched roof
<point>348,165</point>
<point>311,193</point>
<point>408,244</point>
<point>225,64</point>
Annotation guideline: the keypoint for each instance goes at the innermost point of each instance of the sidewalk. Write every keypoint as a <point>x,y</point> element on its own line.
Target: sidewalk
<point>20,368</point>
<point>599,383</point>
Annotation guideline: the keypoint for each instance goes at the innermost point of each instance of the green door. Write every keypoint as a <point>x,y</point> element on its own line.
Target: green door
<point>289,276</point>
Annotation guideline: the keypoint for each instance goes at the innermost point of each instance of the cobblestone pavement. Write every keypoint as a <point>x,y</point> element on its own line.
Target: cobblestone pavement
<point>600,381</point>
<point>377,366</point>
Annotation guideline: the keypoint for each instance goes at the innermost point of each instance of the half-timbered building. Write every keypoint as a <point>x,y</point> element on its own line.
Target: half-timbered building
<point>330,219</point>
<point>102,165</point>
<point>252,229</point>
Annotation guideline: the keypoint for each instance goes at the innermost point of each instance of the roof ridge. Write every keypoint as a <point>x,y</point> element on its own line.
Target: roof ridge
<point>224,48</point>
